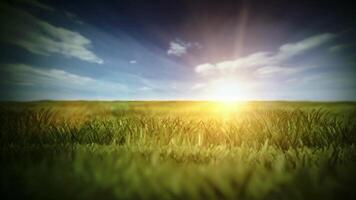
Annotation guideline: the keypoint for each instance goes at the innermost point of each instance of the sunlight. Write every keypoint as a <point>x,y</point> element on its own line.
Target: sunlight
<point>229,95</point>
<point>228,91</point>
<point>229,107</point>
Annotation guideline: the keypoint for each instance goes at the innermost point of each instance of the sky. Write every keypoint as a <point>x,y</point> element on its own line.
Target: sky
<point>177,50</point>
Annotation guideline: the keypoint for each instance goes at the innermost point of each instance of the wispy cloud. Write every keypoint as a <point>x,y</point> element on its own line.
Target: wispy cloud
<point>266,59</point>
<point>40,37</point>
<point>292,49</point>
<point>205,68</point>
<point>338,48</point>
<point>38,4</point>
<point>274,74</point>
<point>179,47</point>
<point>278,70</point>
<point>133,62</point>
<point>73,17</point>
<point>274,70</point>
<point>27,75</point>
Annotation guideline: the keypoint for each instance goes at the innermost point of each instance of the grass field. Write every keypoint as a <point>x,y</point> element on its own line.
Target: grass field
<point>177,150</point>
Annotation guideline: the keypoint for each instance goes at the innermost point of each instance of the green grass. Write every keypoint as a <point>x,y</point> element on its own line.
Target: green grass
<point>177,150</point>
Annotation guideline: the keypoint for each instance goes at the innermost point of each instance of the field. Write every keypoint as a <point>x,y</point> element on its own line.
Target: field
<point>177,150</point>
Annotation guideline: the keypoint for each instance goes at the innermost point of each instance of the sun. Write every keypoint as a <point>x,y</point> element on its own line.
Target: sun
<point>229,94</point>
<point>228,91</point>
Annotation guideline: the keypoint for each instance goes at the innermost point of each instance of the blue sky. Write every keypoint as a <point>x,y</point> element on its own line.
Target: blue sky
<point>151,50</point>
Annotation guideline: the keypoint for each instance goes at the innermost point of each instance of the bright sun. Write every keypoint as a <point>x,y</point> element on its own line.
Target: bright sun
<point>228,91</point>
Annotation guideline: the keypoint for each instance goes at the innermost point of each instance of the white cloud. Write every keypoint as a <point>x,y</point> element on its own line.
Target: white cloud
<point>40,37</point>
<point>204,68</point>
<point>21,74</point>
<point>176,49</point>
<point>291,49</point>
<point>27,75</point>
<point>268,70</point>
<point>278,70</point>
<point>256,59</point>
<point>133,62</point>
<point>265,59</point>
<point>179,48</point>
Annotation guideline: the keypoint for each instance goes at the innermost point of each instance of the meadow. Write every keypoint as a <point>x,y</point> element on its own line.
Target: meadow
<point>177,150</point>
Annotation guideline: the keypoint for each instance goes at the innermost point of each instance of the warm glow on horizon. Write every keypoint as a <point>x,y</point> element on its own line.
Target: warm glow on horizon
<point>228,91</point>
<point>229,95</point>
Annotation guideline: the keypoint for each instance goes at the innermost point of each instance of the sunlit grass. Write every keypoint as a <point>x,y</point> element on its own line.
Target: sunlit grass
<point>176,150</point>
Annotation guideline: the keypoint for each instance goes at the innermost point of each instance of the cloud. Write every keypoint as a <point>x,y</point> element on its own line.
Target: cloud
<point>39,37</point>
<point>268,70</point>
<point>73,17</point>
<point>292,49</point>
<point>26,82</point>
<point>179,48</point>
<point>133,61</point>
<point>338,48</point>
<point>278,70</point>
<point>267,59</point>
<point>22,74</point>
<point>204,68</point>
<point>26,75</point>
<point>37,4</point>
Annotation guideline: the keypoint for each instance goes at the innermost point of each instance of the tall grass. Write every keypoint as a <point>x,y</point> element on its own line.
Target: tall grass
<point>150,150</point>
